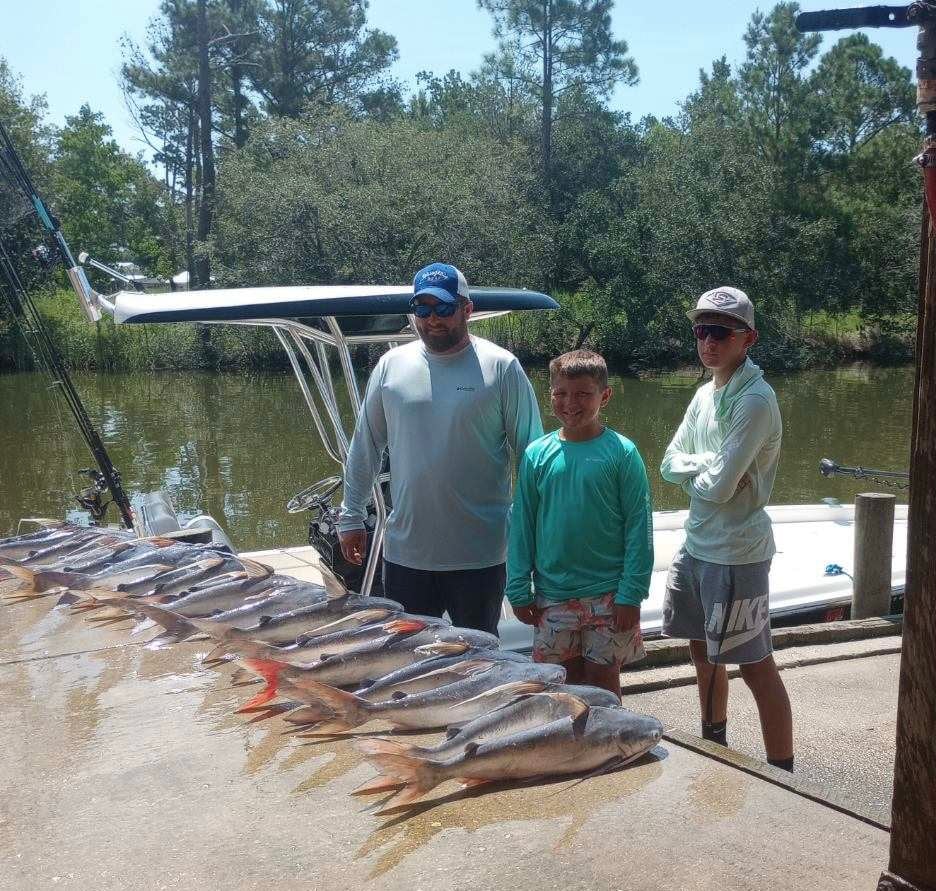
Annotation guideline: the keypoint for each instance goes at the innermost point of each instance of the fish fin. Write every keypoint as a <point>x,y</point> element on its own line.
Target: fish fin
<point>250,649</point>
<point>160,542</point>
<point>578,724</point>
<point>334,590</point>
<point>517,688</point>
<point>270,672</point>
<point>377,785</point>
<point>460,669</point>
<point>382,745</point>
<point>472,782</point>
<point>471,748</point>
<point>351,710</point>
<point>418,776</point>
<point>310,714</point>
<point>67,599</point>
<point>241,675</point>
<point>360,618</point>
<point>172,622</point>
<point>441,648</point>
<point>577,707</point>
<point>398,694</point>
<point>255,570</point>
<point>24,574</point>
<point>264,620</point>
<point>405,626</point>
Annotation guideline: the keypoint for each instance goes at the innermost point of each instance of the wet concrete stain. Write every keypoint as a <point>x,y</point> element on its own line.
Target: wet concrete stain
<point>568,801</point>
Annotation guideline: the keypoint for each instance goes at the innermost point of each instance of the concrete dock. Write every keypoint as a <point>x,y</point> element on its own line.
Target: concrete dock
<point>126,767</point>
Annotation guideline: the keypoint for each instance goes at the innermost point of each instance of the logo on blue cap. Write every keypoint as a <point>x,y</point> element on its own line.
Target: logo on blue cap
<point>442,281</point>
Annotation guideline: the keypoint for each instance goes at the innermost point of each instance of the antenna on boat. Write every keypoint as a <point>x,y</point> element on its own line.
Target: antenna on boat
<point>30,320</point>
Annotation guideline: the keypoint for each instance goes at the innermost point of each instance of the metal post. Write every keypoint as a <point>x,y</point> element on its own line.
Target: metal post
<point>874,551</point>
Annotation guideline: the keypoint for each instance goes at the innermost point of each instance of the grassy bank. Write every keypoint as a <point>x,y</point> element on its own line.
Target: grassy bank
<point>815,341</point>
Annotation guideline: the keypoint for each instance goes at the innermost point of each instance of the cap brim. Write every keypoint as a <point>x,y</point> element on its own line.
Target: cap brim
<point>693,314</point>
<point>438,293</point>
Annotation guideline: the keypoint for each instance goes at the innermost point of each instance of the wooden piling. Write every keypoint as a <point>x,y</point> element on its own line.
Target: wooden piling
<point>874,551</point>
<point>913,822</point>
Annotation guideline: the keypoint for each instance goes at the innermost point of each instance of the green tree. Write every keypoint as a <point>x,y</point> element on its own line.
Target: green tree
<point>335,199</point>
<point>107,200</point>
<point>860,93</point>
<point>318,51</point>
<point>777,99</point>
<point>550,45</point>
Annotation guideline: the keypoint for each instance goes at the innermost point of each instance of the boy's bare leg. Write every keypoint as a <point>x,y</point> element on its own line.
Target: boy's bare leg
<point>773,706</point>
<point>608,677</point>
<point>575,670</point>
<point>716,711</point>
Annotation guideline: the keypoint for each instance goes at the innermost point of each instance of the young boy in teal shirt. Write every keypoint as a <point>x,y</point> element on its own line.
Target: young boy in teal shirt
<point>582,532</point>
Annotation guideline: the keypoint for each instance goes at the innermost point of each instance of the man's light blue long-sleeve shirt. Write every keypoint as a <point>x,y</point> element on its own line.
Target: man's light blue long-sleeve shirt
<point>452,423</point>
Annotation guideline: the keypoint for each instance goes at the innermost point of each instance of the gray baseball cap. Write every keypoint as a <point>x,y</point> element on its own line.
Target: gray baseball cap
<point>726,301</point>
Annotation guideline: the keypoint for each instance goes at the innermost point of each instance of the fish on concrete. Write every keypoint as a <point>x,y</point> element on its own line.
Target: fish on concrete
<point>520,713</point>
<point>596,737</point>
<point>464,692</point>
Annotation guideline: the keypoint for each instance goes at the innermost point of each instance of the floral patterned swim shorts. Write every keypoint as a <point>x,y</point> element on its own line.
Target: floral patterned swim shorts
<point>568,629</point>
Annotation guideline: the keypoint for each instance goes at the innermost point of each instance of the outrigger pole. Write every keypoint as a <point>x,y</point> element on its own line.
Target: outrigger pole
<point>34,329</point>
<point>912,862</point>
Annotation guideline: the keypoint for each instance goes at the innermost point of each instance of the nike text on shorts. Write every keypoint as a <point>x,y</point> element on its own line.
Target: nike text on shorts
<point>726,606</point>
<point>584,627</point>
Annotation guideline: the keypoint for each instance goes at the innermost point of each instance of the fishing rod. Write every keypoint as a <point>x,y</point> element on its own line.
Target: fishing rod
<point>35,331</point>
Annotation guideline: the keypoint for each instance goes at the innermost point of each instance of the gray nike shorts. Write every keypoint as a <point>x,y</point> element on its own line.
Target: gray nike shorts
<point>726,606</point>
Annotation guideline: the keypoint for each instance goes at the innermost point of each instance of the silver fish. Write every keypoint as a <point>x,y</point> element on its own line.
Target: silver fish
<point>367,661</point>
<point>475,688</point>
<point>521,713</point>
<point>597,737</point>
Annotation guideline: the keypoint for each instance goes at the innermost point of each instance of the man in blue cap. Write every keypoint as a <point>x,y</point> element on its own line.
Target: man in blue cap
<point>454,411</point>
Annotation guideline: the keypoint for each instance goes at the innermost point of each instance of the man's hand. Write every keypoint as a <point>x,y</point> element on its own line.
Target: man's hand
<point>625,617</point>
<point>743,483</point>
<point>529,615</point>
<point>353,545</point>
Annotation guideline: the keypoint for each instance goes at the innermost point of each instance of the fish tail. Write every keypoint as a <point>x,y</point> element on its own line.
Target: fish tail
<point>270,672</point>
<point>45,579</point>
<point>25,575</point>
<point>377,785</point>
<point>249,649</point>
<point>172,622</point>
<point>347,710</point>
<point>310,714</point>
<point>381,745</point>
<point>417,776</point>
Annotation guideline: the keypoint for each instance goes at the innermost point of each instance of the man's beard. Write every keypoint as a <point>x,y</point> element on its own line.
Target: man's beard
<point>439,343</point>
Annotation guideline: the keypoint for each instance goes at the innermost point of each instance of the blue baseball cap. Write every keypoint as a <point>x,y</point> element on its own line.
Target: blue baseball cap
<point>442,281</point>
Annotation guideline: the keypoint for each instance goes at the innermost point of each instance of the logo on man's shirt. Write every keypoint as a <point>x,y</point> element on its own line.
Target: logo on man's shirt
<point>465,389</point>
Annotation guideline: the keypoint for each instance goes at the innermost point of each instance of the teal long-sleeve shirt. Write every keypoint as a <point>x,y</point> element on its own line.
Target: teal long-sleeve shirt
<point>582,522</point>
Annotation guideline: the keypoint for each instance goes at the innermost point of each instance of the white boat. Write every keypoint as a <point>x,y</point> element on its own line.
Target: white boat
<point>810,573</point>
<point>311,320</point>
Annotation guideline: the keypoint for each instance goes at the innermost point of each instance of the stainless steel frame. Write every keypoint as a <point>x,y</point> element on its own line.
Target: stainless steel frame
<point>307,349</point>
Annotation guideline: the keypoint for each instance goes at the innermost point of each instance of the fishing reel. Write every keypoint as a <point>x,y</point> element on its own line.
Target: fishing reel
<point>91,498</point>
<point>323,530</point>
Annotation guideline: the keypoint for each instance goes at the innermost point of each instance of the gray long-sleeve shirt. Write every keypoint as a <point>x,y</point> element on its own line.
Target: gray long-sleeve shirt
<point>451,423</point>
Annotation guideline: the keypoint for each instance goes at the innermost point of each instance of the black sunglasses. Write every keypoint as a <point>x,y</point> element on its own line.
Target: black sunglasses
<point>716,332</point>
<point>424,310</point>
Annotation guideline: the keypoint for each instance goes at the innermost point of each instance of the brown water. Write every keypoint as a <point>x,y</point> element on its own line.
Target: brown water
<point>239,446</point>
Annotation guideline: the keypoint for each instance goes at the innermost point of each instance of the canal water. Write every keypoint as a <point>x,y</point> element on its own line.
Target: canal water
<point>238,446</point>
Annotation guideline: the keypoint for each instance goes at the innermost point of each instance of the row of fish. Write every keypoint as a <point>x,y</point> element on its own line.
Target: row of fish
<point>338,661</point>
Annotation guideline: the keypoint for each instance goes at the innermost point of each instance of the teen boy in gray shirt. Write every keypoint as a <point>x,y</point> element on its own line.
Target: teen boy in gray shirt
<point>453,410</point>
